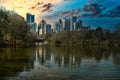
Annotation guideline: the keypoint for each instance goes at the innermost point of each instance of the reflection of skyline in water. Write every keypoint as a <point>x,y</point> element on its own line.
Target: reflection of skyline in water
<point>52,58</point>
<point>56,60</point>
<point>96,66</point>
<point>95,62</point>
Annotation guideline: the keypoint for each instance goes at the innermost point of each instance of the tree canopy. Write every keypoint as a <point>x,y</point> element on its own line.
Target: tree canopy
<point>14,26</point>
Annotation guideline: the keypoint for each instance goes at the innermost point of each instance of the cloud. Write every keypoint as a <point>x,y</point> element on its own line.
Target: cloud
<point>115,12</point>
<point>53,8</point>
<point>30,6</point>
<point>92,9</point>
<point>47,7</point>
<point>70,12</point>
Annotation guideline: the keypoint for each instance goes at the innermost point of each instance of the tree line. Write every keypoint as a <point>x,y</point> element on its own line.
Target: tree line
<point>83,37</point>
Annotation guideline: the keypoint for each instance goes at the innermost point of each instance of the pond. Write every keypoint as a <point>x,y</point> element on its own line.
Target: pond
<point>75,62</point>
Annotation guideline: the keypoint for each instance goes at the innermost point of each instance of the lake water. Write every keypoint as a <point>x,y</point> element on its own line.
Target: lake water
<point>79,63</point>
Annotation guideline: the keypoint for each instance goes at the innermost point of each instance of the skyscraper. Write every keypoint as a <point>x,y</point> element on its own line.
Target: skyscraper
<point>39,27</point>
<point>58,26</point>
<point>66,23</point>
<point>30,18</point>
<point>33,27</point>
<point>63,24</point>
<point>78,24</point>
<point>42,24</point>
<point>73,19</point>
<point>48,29</point>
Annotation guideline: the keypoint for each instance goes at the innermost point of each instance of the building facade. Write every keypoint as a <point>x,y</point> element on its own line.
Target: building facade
<point>47,29</point>
<point>33,27</point>
<point>66,23</point>
<point>78,24</point>
<point>30,18</point>
<point>58,27</point>
<point>31,21</point>
<point>73,19</point>
<point>41,27</point>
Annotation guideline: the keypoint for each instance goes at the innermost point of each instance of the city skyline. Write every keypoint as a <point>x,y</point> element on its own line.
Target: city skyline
<point>51,10</point>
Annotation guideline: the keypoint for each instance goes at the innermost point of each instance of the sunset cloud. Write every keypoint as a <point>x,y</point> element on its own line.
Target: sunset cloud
<point>53,9</point>
<point>36,7</point>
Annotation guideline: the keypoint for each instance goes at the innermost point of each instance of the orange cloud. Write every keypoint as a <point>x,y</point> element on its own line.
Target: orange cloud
<point>28,6</point>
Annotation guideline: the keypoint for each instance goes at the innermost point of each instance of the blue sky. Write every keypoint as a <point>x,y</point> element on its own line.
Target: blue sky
<point>51,10</point>
<point>68,5</point>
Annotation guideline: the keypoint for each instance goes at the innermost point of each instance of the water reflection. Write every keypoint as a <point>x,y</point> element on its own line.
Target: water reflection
<point>94,62</point>
<point>13,61</point>
<point>52,58</point>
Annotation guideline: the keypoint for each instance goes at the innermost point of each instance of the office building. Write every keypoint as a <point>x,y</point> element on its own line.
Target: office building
<point>47,29</point>
<point>73,19</point>
<point>78,24</point>
<point>30,18</point>
<point>42,26</point>
<point>58,26</point>
<point>33,27</point>
<point>66,23</point>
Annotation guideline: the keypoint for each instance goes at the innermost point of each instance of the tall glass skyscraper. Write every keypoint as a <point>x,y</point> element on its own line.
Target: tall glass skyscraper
<point>31,21</point>
<point>30,18</point>
<point>73,19</point>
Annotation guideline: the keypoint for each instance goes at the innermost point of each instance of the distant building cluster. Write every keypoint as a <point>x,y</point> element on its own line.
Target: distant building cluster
<point>44,28</point>
<point>69,23</point>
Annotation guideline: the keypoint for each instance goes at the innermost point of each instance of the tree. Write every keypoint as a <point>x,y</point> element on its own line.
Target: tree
<point>107,35</point>
<point>3,22</point>
<point>14,26</point>
<point>18,27</point>
<point>99,34</point>
<point>117,32</point>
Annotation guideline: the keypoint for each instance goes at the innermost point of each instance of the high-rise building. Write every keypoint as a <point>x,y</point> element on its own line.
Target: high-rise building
<point>73,19</point>
<point>42,24</point>
<point>66,23</point>
<point>78,24</point>
<point>47,29</point>
<point>33,27</point>
<point>58,26</point>
<point>63,24</point>
<point>39,27</point>
<point>30,18</point>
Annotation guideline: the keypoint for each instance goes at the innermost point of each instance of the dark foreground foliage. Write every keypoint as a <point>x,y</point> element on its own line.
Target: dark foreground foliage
<point>14,30</point>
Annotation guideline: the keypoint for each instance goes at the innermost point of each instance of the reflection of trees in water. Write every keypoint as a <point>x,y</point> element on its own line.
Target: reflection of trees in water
<point>53,57</point>
<point>116,57</point>
<point>71,56</point>
<point>83,52</point>
<point>14,60</point>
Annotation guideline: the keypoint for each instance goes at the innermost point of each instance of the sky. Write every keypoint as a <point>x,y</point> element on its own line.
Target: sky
<point>51,10</point>
<point>36,7</point>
